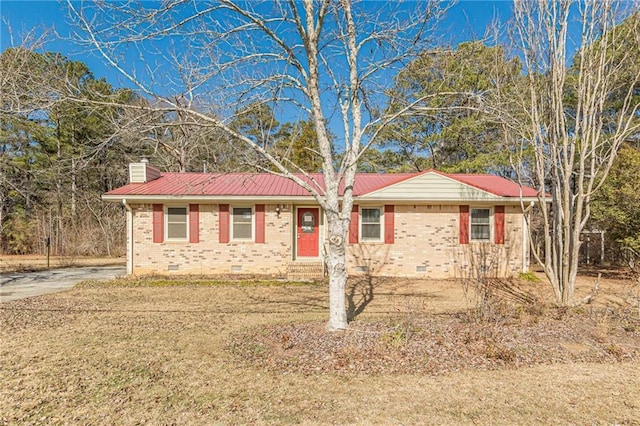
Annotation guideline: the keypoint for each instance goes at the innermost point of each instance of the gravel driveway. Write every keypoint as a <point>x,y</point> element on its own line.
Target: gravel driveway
<point>19,286</point>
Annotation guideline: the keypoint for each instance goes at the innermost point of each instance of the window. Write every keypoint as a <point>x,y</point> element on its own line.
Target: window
<point>242,223</point>
<point>308,223</point>
<point>480,224</point>
<point>176,223</point>
<point>370,228</point>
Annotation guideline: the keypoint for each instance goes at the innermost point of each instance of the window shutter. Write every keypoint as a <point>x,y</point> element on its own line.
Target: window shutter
<point>464,224</point>
<point>259,223</point>
<point>158,223</point>
<point>498,215</point>
<point>389,223</point>
<point>194,223</point>
<point>354,225</point>
<point>223,228</point>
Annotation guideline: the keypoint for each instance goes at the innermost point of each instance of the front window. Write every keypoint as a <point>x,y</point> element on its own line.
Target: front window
<point>176,223</point>
<point>480,224</point>
<point>370,224</point>
<point>242,223</point>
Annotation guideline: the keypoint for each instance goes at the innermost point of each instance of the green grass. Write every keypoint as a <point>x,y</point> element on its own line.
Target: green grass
<point>529,276</point>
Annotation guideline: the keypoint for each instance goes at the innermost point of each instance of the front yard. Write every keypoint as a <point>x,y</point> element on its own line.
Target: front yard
<point>201,352</point>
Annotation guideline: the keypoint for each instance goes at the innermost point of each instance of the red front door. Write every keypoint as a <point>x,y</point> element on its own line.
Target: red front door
<point>308,232</point>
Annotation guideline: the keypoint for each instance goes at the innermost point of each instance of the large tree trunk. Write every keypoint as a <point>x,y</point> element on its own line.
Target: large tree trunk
<point>337,266</point>
<point>74,190</point>
<point>59,245</point>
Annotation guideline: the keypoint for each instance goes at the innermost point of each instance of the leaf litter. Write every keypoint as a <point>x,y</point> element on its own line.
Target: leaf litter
<point>441,344</point>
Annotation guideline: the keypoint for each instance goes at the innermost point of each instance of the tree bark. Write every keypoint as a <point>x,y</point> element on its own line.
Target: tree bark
<point>74,190</point>
<point>336,261</point>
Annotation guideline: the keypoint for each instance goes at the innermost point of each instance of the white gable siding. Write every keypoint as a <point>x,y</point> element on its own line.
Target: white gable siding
<point>431,187</point>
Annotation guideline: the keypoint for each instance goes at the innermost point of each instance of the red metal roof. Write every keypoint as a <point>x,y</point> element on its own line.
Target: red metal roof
<point>495,185</point>
<point>265,184</point>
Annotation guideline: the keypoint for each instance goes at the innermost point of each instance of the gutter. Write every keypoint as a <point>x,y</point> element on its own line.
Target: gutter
<point>307,199</point>
<point>129,228</point>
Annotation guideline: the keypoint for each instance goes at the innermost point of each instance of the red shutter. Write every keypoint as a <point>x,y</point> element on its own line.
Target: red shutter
<point>158,223</point>
<point>354,225</point>
<point>389,224</point>
<point>260,223</point>
<point>464,224</point>
<point>223,230</point>
<point>498,214</point>
<point>194,223</point>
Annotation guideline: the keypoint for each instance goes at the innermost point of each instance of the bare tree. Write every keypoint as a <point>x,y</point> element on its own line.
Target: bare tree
<point>51,147</point>
<point>570,122</point>
<point>330,60</point>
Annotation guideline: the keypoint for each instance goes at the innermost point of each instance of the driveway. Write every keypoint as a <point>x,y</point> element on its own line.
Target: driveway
<point>19,286</point>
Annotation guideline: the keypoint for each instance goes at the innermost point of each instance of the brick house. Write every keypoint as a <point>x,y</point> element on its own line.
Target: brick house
<point>413,224</point>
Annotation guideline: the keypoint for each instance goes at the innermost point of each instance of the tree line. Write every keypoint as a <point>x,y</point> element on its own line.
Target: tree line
<point>65,142</point>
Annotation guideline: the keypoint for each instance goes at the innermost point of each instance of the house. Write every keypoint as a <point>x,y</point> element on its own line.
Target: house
<point>410,224</point>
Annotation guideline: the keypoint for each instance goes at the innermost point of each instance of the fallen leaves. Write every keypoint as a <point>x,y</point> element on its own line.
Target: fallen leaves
<point>438,344</point>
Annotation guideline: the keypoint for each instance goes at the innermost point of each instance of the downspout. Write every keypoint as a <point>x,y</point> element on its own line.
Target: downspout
<point>323,238</point>
<point>129,236</point>
<point>525,246</point>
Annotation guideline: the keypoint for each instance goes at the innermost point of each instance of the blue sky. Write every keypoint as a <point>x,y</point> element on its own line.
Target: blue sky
<point>465,21</point>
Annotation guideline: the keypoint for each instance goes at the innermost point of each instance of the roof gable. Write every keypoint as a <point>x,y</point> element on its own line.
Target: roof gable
<point>495,185</point>
<point>432,185</point>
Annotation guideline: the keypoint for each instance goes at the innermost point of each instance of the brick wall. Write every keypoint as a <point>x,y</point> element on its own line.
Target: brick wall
<point>209,256</point>
<point>426,244</point>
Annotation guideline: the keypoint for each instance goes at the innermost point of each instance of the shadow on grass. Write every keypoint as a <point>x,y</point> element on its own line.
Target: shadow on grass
<point>359,294</point>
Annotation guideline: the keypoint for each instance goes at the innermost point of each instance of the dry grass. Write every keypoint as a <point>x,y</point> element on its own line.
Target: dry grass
<point>31,263</point>
<point>164,355</point>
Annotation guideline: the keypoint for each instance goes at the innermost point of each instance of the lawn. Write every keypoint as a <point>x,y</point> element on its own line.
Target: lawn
<point>204,352</point>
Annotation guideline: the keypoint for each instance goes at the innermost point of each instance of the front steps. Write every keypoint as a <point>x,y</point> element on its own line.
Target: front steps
<point>301,270</point>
